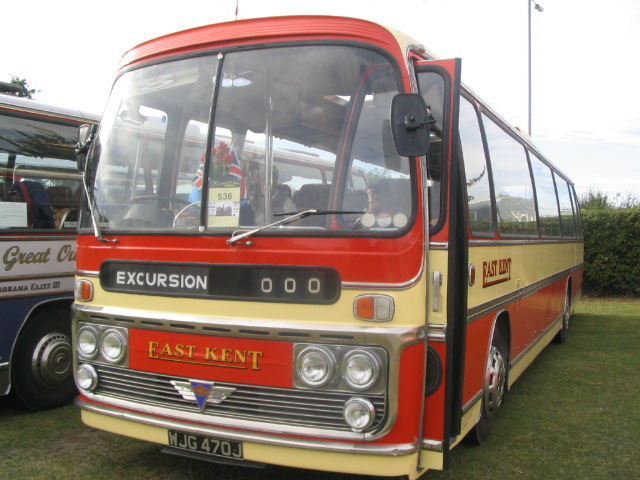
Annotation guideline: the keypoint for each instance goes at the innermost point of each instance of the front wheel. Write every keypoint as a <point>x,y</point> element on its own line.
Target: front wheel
<point>495,386</point>
<point>41,370</point>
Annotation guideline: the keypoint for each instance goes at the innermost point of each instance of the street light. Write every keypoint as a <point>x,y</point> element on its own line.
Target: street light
<point>539,9</point>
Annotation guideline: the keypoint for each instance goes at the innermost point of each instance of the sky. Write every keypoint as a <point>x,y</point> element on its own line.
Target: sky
<point>585,69</point>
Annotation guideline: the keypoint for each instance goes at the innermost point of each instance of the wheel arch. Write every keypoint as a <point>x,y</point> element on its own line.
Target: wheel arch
<point>46,305</point>
<point>502,324</point>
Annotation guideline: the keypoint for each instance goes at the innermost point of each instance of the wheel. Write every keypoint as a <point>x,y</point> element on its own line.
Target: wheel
<point>41,370</point>
<point>495,386</point>
<point>563,334</point>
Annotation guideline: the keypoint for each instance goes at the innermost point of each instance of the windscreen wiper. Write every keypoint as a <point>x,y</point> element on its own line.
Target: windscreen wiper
<point>86,137</point>
<point>290,218</point>
<point>94,217</point>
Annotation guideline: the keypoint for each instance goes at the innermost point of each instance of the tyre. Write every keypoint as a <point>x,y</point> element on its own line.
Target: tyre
<point>563,334</point>
<point>495,385</point>
<point>41,368</point>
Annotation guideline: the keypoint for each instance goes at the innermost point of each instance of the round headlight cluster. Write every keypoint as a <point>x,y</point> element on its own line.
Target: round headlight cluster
<point>359,413</point>
<point>87,342</point>
<point>102,344</point>
<point>86,377</point>
<point>113,346</point>
<point>361,369</point>
<point>346,370</point>
<point>315,366</point>
<point>333,366</point>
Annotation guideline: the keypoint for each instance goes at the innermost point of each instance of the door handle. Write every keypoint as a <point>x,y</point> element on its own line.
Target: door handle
<point>437,283</point>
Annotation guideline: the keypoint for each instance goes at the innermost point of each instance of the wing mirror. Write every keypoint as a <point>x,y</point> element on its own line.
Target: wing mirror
<point>86,134</point>
<point>411,122</point>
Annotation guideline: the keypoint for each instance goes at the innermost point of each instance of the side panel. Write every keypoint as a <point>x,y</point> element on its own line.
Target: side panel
<point>34,271</point>
<point>529,291</point>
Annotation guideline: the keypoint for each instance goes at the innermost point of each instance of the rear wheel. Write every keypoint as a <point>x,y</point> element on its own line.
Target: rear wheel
<point>563,334</point>
<point>41,369</point>
<point>495,385</point>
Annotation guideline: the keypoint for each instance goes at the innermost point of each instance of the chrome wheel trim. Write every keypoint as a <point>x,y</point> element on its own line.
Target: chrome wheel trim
<point>494,382</point>
<point>566,315</point>
<point>52,359</point>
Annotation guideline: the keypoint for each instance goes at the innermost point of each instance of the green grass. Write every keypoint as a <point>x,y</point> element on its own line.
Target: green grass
<point>574,414</point>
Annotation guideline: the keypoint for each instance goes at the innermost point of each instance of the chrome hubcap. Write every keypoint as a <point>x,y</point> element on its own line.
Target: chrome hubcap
<point>52,359</point>
<point>567,314</point>
<point>494,382</point>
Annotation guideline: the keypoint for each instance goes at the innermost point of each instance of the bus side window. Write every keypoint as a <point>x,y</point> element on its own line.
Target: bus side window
<point>512,182</point>
<point>547,199</point>
<point>567,214</point>
<point>9,193</point>
<point>476,172</point>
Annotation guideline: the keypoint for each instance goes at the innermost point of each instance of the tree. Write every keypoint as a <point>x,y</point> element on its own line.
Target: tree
<point>18,87</point>
<point>596,199</point>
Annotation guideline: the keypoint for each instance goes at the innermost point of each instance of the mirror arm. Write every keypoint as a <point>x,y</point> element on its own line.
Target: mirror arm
<point>411,121</point>
<point>86,134</point>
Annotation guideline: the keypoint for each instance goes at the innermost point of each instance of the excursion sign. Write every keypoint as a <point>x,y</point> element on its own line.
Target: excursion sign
<point>293,284</point>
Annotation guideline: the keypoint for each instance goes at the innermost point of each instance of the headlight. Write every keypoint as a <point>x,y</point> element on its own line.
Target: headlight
<point>86,377</point>
<point>359,413</point>
<point>88,342</point>
<point>315,366</point>
<point>360,369</point>
<point>113,346</point>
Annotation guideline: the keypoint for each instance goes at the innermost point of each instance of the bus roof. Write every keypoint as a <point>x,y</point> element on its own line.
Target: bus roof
<point>271,29</point>
<point>26,105</point>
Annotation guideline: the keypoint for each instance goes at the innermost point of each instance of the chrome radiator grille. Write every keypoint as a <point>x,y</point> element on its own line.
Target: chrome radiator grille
<point>307,408</point>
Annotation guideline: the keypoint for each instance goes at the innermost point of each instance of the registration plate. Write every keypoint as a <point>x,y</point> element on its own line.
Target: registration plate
<point>204,444</point>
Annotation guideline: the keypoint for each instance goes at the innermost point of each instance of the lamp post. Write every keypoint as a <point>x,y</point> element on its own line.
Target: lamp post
<point>539,9</point>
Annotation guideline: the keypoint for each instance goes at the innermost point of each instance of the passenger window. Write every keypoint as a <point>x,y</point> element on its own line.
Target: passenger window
<point>512,182</point>
<point>566,208</point>
<point>39,192</point>
<point>547,200</point>
<point>476,172</point>
<point>576,208</point>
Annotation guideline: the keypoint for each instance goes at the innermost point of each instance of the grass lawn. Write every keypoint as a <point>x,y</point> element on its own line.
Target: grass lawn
<point>574,414</point>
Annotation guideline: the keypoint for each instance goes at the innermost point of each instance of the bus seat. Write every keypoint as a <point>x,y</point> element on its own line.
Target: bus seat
<point>313,196</point>
<point>284,189</point>
<point>61,195</point>
<point>40,210</point>
<point>63,202</point>
<point>66,218</point>
<point>356,200</point>
<point>395,194</point>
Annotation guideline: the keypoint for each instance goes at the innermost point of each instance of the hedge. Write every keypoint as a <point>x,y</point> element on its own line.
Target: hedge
<point>612,252</point>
